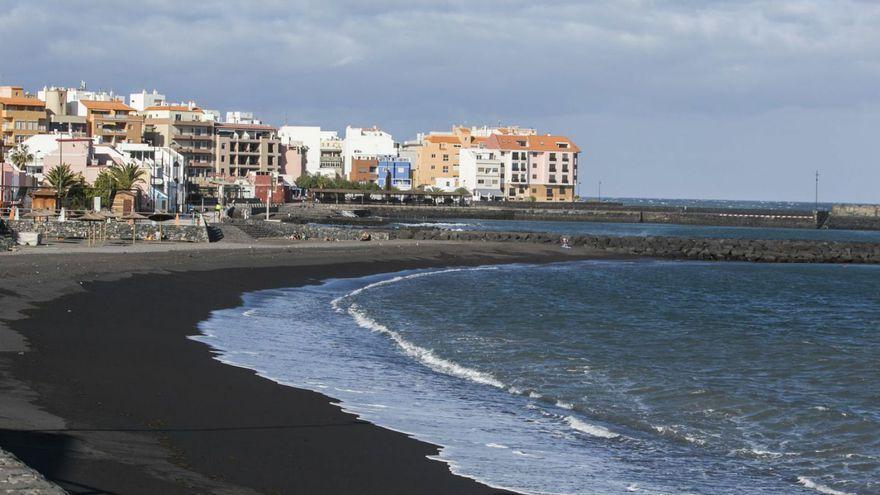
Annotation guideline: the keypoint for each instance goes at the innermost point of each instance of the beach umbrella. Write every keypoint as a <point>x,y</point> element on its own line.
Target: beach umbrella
<point>92,218</point>
<point>160,217</point>
<point>35,214</point>
<point>133,217</point>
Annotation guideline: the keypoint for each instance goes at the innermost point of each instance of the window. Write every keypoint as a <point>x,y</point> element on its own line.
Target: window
<point>534,176</point>
<point>445,158</point>
<point>480,181</point>
<point>433,167</point>
<point>562,145</point>
<point>549,192</point>
<point>564,178</point>
<point>445,169</point>
<point>512,191</point>
<point>433,155</point>
<point>552,156</point>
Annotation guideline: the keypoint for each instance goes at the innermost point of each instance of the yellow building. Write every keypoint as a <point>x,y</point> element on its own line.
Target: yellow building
<point>20,117</point>
<point>113,121</point>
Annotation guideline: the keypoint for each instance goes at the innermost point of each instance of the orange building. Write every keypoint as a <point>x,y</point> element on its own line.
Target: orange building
<point>20,117</point>
<point>438,155</point>
<point>113,121</point>
<point>363,169</point>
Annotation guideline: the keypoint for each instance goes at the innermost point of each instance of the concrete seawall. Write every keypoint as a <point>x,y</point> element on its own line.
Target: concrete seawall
<point>716,217</point>
<point>767,251</point>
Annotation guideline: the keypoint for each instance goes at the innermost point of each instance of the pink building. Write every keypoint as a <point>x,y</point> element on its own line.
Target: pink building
<point>537,167</point>
<point>83,157</point>
<point>13,186</point>
<point>292,164</point>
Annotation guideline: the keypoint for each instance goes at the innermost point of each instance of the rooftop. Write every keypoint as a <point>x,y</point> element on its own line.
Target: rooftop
<point>18,100</point>
<point>106,105</point>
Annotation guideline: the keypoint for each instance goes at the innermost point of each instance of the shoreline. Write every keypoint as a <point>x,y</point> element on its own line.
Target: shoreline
<point>120,401</point>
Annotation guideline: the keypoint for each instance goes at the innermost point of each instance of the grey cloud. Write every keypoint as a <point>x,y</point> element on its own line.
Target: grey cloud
<point>415,65</point>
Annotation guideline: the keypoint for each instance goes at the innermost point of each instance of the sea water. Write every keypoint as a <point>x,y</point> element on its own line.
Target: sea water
<point>596,377</point>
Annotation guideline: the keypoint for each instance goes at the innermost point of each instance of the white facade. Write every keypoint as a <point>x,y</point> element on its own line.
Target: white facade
<point>142,100</point>
<point>365,142</point>
<point>167,173</point>
<point>41,145</point>
<point>481,172</point>
<point>310,138</point>
<point>238,117</point>
<point>446,184</point>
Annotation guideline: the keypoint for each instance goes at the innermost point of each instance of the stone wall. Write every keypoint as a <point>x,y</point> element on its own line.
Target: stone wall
<point>734,218</point>
<point>74,229</point>
<point>780,251</point>
<point>264,229</point>
<point>856,210</point>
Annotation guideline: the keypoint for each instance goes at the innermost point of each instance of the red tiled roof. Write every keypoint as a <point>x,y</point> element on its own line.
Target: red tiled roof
<point>106,105</point>
<point>532,143</point>
<point>18,100</point>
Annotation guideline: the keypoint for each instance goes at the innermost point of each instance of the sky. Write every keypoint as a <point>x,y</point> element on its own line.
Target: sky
<point>714,99</point>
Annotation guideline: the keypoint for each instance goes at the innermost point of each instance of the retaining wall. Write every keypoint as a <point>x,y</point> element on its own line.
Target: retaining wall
<point>73,229</point>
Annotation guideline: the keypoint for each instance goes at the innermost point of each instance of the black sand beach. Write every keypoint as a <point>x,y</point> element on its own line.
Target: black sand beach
<point>111,397</point>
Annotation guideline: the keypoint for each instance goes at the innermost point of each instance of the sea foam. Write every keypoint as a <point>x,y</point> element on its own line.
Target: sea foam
<point>807,482</point>
<point>589,429</point>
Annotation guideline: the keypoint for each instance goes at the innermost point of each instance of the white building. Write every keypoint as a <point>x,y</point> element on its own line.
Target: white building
<point>142,100</point>
<point>40,146</point>
<point>238,117</point>
<point>310,138</point>
<point>167,173</point>
<point>365,142</point>
<point>481,171</point>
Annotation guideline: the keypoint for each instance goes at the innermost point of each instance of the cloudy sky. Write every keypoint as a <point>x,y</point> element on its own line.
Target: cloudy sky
<point>691,99</point>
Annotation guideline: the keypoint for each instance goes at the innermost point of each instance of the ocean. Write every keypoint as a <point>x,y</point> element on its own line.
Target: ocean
<point>595,377</point>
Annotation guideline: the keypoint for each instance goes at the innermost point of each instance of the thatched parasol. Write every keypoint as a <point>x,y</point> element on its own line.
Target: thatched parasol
<point>39,214</point>
<point>134,217</point>
<point>92,218</point>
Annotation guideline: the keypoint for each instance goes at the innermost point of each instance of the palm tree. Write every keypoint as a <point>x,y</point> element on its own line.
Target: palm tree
<point>62,179</point>
<point>125,176</point>
<point>21,156</point>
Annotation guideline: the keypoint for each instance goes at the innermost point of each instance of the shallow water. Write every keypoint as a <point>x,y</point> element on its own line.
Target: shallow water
<point>597,376</point>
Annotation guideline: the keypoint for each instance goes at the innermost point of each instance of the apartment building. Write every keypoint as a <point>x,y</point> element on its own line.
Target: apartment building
<point>540,167</point>
<point>143,100</point>
<point>364,169</point>
<point>62,117</point>
<point>365,142</point>
<point>481,172</point>
<point>112,121</point>
<point>186,129</point>
<point>21,116</point>
<point>243,148</point>
<point>395,169</point>
<point>321,150</point>
<point>332,163</point>
<point>438,159</point>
